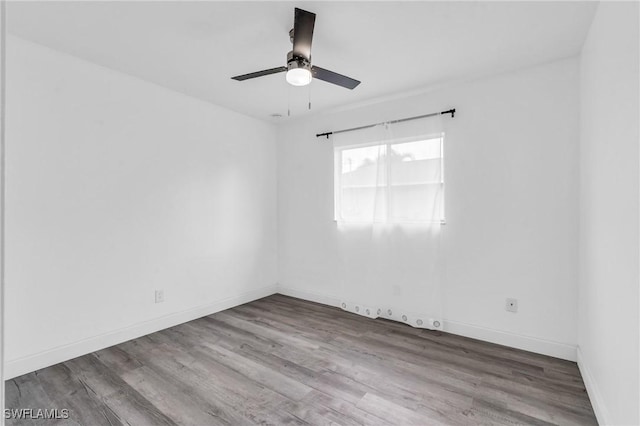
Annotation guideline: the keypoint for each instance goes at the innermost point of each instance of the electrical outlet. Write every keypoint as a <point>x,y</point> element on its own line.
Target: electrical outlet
<point>512,305</point>
<point>159,296</point>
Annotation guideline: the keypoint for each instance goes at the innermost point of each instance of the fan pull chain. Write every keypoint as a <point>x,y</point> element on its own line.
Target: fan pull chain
<point>309,92</point>
<point>288,100</point>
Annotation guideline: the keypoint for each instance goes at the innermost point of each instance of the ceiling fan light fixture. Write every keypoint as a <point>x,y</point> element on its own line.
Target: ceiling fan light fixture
<point>298,77</point>
<point>298,72</point>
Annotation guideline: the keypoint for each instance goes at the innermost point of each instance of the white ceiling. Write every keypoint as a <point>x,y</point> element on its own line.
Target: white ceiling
<point>392,47</point>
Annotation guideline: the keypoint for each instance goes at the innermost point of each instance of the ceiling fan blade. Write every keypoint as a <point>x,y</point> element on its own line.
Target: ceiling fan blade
<point>303,33</point>
<point>259,73</point>
<point>334,77</point>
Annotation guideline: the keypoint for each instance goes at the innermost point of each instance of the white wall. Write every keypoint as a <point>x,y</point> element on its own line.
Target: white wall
<point>608,327</point>
<point>117,187</point>
<point>2,169</point>
<point>511,206</point>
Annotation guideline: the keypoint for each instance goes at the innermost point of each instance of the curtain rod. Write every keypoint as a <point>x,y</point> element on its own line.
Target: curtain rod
<point>433,114</point>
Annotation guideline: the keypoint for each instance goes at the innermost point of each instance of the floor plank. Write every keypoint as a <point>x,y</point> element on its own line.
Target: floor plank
<point>281,360</point>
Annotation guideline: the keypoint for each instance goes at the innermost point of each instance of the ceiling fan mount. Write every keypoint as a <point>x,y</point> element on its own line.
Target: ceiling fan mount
<point>299,69</point>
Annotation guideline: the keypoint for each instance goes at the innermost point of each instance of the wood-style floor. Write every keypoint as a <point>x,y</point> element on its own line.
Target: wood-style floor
<point>281,360</point>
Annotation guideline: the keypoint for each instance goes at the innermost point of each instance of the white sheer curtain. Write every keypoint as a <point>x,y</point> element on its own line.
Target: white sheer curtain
<point>390,173</point>
<point>389,209</point>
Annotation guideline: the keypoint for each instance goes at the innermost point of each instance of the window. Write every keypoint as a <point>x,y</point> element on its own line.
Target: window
<point>400,181</point>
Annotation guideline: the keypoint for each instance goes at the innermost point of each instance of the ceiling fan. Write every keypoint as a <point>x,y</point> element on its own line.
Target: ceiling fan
<point>299,70</point>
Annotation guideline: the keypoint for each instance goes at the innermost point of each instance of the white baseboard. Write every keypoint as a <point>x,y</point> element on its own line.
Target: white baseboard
<point>310,296</point>
<point>20,366</point>
<point>600,410</point>
<point>513,340</point>
<point>527,343</point>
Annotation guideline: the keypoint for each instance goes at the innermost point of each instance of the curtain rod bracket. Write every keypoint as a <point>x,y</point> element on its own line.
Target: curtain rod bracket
<point>451,111</point>
<point>327,134</point>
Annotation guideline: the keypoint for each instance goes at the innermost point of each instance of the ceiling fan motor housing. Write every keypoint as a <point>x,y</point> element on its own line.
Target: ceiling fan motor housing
<point>294,62</point>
